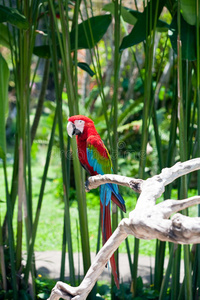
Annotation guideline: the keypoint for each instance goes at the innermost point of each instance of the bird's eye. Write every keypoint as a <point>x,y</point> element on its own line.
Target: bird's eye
<point>80,121</point>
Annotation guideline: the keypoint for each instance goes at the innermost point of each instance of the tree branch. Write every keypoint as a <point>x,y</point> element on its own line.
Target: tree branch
<point>147,221</point>
<point>94,182</point>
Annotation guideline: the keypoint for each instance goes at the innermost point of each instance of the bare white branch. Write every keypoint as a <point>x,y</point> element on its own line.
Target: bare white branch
<point>147,221</point>
<point>95,181</point>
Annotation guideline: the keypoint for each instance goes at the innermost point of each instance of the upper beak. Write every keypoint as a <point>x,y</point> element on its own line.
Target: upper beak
<point>71,129</point>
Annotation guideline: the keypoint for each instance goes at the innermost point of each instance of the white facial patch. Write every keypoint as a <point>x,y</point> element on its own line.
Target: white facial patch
<point>70,128</point>
<point>79,124</point>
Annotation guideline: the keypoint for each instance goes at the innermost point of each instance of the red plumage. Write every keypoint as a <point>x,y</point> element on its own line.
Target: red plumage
<point>89,135</point>
<point>94,157</point>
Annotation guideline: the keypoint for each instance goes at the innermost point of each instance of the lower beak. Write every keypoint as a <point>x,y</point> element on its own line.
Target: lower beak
<point>75,130</point>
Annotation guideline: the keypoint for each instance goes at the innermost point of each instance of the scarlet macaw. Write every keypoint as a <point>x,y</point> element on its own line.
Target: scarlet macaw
<point>95,159</point>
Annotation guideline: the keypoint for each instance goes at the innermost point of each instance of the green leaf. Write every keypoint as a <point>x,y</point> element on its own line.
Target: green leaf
<point>90,32</point>
<point>43,296</point>
<point>139,283</point>
<point>130,110</point>
<point>188,38</point>
<point>42,51</point>
<point>103,289</point>
<point>4,80</point>
<point>86,68</point>
<point>125,12</point>
<point>160,26</point>
<point>139,31</point>
<point>12,15</point>
<point>131,16</point>
<point>4,36</point>
<point>97,25</point>
<point>2,153</point>
<point>188,9</point>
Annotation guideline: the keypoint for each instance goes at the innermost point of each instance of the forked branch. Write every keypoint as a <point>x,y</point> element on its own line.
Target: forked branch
<point>147,221</point>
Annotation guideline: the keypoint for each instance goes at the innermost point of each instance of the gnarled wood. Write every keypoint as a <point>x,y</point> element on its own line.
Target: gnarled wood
<point>147,221</point>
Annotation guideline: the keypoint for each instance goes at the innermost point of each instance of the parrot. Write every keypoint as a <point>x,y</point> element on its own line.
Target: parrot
<point>95,159</point>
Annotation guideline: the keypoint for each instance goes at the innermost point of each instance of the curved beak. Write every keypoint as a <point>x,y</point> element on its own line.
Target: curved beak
<point>71,129</point>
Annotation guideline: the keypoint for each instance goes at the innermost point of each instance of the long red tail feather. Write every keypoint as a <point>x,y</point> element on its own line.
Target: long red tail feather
<point>106,233</point>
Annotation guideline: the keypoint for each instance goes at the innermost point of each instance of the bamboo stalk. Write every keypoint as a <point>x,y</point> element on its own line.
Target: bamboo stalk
<point>183,151</point>
<point>198,123</point>
<point>65,233</point>
<point>175,290</point>
<point>40,199</point>
<point>145,118</point>
<point>59,88</point>
<point>21,199</point>
<point>95,58</point>
<point>10,235</point>
<point>198,90</point>
<point>40,100</point>
<point>164,285</point>
<point>114,116</point>
<point>167,195</point>
<point>2,260</point>
<point>73,108</point>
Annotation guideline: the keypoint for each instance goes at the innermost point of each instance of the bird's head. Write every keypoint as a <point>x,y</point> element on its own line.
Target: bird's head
<point>77,125</point>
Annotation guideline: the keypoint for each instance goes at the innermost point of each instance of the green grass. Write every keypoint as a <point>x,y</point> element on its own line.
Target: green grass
<point>50,228</point>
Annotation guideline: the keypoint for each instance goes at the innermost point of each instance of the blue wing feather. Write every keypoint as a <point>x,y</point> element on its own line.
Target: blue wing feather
<point>106,190</point>
<point>115,191</point>
<point>93,162</point>
<point>105,194</point>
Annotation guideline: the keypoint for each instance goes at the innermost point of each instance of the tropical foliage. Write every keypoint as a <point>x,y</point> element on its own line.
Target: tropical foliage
<point>134,68</point>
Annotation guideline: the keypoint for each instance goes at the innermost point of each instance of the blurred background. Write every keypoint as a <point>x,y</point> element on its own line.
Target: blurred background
<point>133,67</point>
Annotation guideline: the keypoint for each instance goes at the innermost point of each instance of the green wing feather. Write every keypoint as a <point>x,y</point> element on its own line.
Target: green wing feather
<point>98,156</point>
